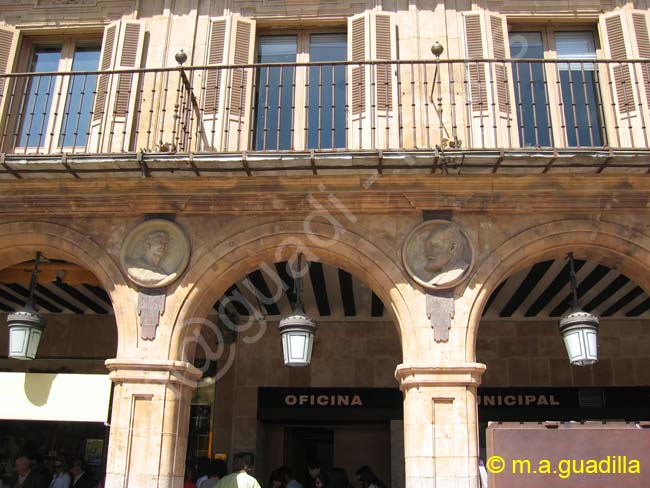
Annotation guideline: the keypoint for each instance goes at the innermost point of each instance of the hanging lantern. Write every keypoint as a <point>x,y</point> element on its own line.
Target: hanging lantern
<point>297,331</point>
<point>579,329</point>
<point>26,325</point>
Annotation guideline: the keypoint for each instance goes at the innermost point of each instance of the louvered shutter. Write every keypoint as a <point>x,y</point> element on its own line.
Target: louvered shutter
<point>640,21</point>
<point>213,92</point>
<point>641,24</point>
<point>358,52</point>
<point>625,35</point>
<point>8,49</point>
<point>228,91</point>
<point>372,88</point>
<point>384,45</point>
<point>240,85</point>
<point>114,113</point>
<point>489,85</point>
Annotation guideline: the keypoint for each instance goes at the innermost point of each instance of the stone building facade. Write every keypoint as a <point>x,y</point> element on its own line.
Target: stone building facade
<point>359,150</point>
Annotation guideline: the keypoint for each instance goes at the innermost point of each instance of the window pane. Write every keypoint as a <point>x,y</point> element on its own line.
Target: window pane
<point>80,96</point>
<point>326,95</point>
<point>274,100</point>
<point>530,89</point>
<point>38,96</point>
<point>579,83</point>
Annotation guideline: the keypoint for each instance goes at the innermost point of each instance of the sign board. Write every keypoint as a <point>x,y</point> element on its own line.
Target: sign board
<point>572,454</point>
<point>529,404</point>
<point>329,404</point>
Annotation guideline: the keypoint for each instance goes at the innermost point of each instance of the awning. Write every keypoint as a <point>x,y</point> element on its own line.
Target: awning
<point>62,397</point>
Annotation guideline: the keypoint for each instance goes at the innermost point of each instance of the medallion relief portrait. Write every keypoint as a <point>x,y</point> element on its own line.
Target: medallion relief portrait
<point>155,253</point>
<point>437,254</point>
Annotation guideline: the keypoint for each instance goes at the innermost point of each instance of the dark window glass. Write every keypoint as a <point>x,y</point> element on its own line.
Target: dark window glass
<point>530,89</point>
<point>39,94</point>
<point>326,92</point>
<point>274,93</point>
<point>80,96</point>
<point>579,85</point>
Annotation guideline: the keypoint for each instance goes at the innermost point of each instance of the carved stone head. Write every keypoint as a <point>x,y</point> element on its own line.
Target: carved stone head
<point>155,253</point>
<point>437,254</point>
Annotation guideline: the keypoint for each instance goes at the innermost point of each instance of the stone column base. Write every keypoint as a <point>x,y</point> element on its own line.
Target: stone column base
<point>440,424</point>
<point>149,422</point>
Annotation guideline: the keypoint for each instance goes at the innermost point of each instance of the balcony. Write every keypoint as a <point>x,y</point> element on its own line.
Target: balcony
<point>451,116</point>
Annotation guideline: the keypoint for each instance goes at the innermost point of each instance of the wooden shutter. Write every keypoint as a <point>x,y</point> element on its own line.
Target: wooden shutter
<point>357,52</point>
<point>98,125</point>
<point>503,91</point>
<point>641,48</point>
<point>489,85</point>
<point>228,90</point>
<point>240,85</point>
<point>384,51</point>
<point>384,44</point>
<point>213,104</point>
<point>476,71</point>
<point>624,94</point>
<point>106,62</point>
<point>372,91</point>
<point>8,50</point>
<point>625,36</point>
<point>114,113</point>
<point>640,20</point>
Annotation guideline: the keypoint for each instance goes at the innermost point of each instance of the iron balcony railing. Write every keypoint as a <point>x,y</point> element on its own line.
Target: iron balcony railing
<point>338,106</point>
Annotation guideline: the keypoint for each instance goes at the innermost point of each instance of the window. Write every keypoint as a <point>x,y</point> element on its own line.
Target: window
<point>56,109</point>
<point>530,89</point>
<point>304,105</point>
<point>573,87</point>
<point>275,90</point>
<point>326,119</point>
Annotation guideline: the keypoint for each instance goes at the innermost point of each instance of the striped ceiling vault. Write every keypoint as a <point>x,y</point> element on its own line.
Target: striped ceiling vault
<point>544,291</point>
<point>539,292</point>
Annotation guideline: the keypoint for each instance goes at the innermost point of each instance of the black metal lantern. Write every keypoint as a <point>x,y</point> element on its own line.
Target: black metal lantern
<point>297,330</point>
<point>26,325</point>
<point>579,329</point>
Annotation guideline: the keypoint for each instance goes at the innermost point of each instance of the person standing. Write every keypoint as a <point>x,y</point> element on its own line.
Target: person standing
<point>321,481</point>
<point>291,481</point>
<point>217,469</point>
<point>61,478</point>
<point>26,477</point>
<point>368,479</point>
<point>202,464</point>
<point>277,479</point>
<point>313,470</point>
<point>242,465</point>
<point>80,477</point>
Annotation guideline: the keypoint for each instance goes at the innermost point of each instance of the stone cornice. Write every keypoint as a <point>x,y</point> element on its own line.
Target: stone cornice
<point>153,371</point>
<point>425,375</point>
<point>360,194</point>
<point>562,7</point>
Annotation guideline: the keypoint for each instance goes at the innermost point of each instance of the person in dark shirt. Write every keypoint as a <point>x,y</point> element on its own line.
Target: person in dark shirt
<point>81,478</point>
<point>26,475</point>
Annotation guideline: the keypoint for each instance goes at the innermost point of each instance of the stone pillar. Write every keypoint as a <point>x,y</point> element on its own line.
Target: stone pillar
<point>149,422</point>
<point>440,424</point>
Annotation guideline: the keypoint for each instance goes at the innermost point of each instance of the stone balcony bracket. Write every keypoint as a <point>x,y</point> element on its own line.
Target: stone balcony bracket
<point>152,371</point>
<point>450,374</point>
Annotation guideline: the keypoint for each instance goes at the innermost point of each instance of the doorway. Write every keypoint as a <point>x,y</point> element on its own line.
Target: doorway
<point>306,444</point>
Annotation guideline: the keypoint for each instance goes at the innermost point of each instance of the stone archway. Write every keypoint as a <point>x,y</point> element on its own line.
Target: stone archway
<point>19,241</point>
<point>225,263</point>
<point>220,265</point>
<point>612,244</point>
